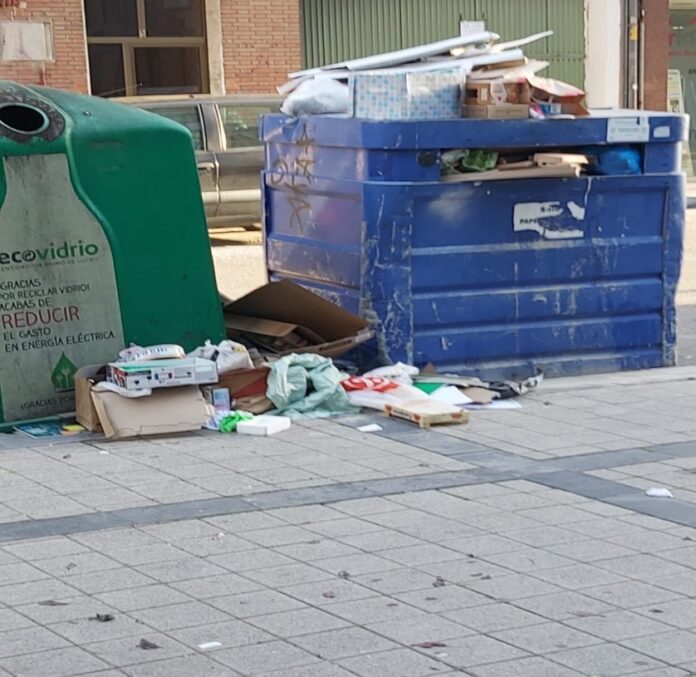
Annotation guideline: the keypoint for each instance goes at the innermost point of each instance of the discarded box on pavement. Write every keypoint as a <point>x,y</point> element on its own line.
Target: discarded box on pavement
<point>264,426</point>
<point>85,412</point>
<point>281,318</point>
<point>163,373</point>
<point>247,388</point>
<point>166,411</point>
<point>497,111</point>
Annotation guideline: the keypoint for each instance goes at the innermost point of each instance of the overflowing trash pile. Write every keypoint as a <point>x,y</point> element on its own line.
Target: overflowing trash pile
<point>284,360</point>
<point>472,76</point>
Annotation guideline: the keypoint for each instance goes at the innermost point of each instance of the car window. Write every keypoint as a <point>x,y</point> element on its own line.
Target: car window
<point>241,123</point>
<point>188,116</point>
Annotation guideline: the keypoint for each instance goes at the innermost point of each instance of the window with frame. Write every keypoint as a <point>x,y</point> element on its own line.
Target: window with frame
<point>146,47</point>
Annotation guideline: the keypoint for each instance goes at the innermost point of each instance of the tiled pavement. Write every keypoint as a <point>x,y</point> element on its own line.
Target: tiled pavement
<point>520,545</point>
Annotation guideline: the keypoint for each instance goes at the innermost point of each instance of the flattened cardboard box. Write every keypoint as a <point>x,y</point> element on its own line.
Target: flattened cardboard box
<point>85,413</point>
<point>173,410</point>
<point>284,309</point>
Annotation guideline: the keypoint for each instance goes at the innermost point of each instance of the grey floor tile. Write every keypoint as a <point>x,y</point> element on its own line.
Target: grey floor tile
<point>29,640</point>
<point>579,576</point>
<point>425,553</point>
<point>81,563</point>
<point>355,565</point>
<point>469,652</point>
<point>62,662</point>
<point>344,642</point>
<point>299,622</point>
<point>675,646</point>
<point>258,603</point>
<point>447,598</point>
<point>321,669</point>
<point>545,638</point>
<point>229,634</point>
<point>680,613</point>
<point>630,594</point>
<point>620,625</point>
<point>105,581</point>
<point>330,592</point>
<point>374,610</point>
<point>35,591</point>
<point>590,550</point>
<point>126,651</point>
<point>175,616</point>
<point>284,535</point>
<point>563,605</point>
<point>180,570</point>
<point>317,549</point>
<point>83,630</point>
<point>607,660</point>
<point>288,574</point>
<point>427,628</point>
<point>215,586</point>
<point>513,587</point>
<point>396,581</point>
<point>144,597</point>
<point>525,667</point>
<point>396,663</point>
<point>528,560</point>
<point>183,666</point>
<point>248,560</point>
<point>494,617</point>
<point>258,658</point>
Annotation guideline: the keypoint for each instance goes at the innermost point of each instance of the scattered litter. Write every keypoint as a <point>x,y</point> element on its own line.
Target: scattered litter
<point>163,351</point>
<point>264,426</point>
<point>656,611</point>
<point>227,355</point>
<point>430,645</point>
<point>343,574</point>
<point>500,405</point>
<point>66,456</point>
<point>328,595</point>
<point>162,373</point>
<point>102,618</point>
<point>450,395</point>
<point>52,602</point>
<point>439,582</point>
<point>227,421</point>
<point>218,536</point>
<point>307,386</point>
<point>71,565</point>
<point>147,645</point>
<point>371,428</point>
<point>318,96</point>
<point>399,372</point>
<point>209,645</point>
<point>108,387</point>
<point>427,413</point>
<point>659,492</point>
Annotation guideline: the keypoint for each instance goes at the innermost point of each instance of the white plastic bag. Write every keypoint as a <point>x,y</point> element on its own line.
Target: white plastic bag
<point>163,351</point>
<point>228,355</point>
<point>399,372</point>
<point>317,96</point>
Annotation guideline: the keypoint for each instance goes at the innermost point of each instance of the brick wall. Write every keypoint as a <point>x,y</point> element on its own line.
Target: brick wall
<point>69,71</point>
<point>657,29</point>
<point>261,43</point>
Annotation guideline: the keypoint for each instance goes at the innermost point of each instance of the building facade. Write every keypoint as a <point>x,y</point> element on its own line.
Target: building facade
<point>159,47</point>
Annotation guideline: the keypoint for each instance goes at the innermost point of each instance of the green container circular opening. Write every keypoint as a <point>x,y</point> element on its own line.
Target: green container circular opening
<point>23,118</point>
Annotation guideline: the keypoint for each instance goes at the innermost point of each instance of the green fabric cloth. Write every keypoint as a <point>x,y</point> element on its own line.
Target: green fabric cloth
<point>229,423</point>
<point>307,386</point>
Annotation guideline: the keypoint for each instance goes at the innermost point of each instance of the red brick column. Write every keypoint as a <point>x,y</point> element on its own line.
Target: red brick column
<point>261,43</point>
<point>69,71</point>
<point>657,29</point>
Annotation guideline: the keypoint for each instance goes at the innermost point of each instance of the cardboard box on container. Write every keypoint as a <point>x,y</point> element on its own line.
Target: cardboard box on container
<point>404,95</point>
<point>282,318</point>
<point>487,92</point>
<point>503,111</point>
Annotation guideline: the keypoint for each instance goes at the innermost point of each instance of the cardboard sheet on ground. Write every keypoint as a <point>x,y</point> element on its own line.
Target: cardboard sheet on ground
<point>174,410</point>
<point>450,395</point>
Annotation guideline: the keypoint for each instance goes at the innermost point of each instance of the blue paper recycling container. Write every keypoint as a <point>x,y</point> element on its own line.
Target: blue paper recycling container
<point>492,277</point>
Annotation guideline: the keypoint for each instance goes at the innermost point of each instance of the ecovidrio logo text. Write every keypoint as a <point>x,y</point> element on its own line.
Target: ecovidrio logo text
<point>61,252</point>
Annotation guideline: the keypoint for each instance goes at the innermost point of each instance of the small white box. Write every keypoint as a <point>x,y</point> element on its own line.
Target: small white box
<point>264,425</point>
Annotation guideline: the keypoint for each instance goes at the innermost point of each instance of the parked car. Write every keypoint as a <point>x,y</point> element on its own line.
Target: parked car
<point>225,134</point>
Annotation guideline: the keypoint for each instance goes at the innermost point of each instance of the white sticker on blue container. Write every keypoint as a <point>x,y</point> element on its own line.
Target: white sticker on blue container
<point>662,132</point>
<point>628,129</point>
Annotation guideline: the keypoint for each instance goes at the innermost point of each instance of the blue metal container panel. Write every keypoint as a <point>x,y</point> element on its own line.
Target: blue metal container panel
<point>577,275</point>
<point>335,131</point>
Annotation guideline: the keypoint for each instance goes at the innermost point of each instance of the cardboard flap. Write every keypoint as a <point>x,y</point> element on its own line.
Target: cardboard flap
<point>287,302</point>
<point>258,325</point>
<point>166,411</point>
